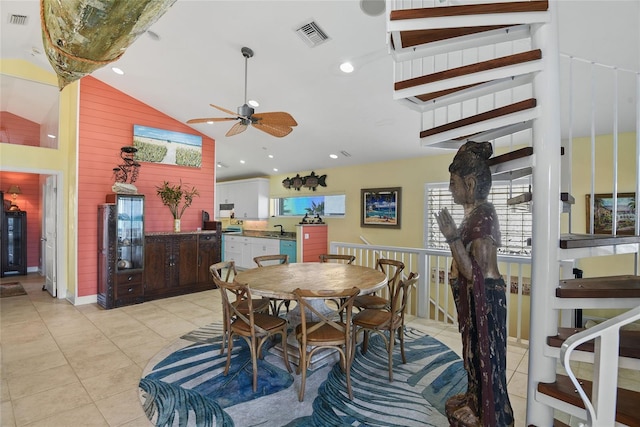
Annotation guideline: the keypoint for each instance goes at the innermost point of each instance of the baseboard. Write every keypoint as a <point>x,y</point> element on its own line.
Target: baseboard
<point>89,299</point>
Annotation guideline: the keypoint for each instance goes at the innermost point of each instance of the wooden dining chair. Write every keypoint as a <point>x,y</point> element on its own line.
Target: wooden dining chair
<point>254,327</point>
<point>321,329</point>
<point>344,258</point>
<point>387,322</point>
<point>264,260</point>
<point>228,270</point>
<point>393,269</point>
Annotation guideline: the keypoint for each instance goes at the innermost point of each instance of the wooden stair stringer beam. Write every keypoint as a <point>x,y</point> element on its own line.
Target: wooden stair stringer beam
<point>562,396</point>
<point>493,69</point>
<point>489,135</point>
<point>441,41</point>
<point>506,13</point>
<point>518,112</point>
<point>430,101</point>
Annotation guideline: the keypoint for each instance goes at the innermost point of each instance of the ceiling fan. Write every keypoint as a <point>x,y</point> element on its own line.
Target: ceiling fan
<point>277,123</point>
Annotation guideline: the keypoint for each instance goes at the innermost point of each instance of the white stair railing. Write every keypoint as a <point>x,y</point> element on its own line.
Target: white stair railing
<point>601,409</point>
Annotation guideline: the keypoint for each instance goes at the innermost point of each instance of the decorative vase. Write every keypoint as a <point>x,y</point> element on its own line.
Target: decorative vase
<point>176,225</point>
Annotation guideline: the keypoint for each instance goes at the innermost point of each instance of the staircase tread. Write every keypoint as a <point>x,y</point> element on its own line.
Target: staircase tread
<point>563,389</point>
<point>623,286</point>
<point>487,115</point>
<point>414,38</point>
<point>572,241</point>
<point>477,9</point>
<point>629,341</point>
<point>491,64</point>
<point>512,155</point>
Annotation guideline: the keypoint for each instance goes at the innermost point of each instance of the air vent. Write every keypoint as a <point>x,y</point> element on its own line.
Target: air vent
<point>18,19</point>
<point>312,34</point>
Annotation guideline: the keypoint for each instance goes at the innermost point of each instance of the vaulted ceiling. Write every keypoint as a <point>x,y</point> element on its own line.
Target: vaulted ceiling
<point>192,58</point>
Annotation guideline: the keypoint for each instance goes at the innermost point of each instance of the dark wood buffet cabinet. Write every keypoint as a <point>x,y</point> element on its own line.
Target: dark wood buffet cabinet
<point>134,266</point>
<point>178,263</point>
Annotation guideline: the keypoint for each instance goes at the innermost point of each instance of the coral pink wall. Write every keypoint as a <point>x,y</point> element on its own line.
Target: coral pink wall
<point>18,130</point>
<point>28,201</point>
<point>106,124</point>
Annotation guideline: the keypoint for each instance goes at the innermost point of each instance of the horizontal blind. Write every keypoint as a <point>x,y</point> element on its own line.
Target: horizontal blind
<point>515,221</point>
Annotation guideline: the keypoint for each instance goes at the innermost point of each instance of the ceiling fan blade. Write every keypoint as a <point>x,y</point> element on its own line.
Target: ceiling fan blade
<point>278,118</point>
<point>224,110</point>
<point>236,129</point>
<point>211,119</point>
<point>275,130</point>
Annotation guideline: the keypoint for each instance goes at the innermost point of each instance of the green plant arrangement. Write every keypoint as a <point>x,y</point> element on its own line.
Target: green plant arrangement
<point>173,195</point>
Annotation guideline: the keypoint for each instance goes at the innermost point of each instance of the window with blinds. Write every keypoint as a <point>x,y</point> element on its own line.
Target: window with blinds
<point>515,220</point>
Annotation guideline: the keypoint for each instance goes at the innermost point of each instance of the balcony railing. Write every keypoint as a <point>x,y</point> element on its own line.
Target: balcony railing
<point>433,298</point>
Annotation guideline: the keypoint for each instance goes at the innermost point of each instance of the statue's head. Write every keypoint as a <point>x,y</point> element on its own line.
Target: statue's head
<point>471,160</point>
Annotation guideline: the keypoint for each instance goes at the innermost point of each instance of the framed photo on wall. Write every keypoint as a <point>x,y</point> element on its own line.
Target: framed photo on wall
<point>603,213</point>
<point>380,207</point>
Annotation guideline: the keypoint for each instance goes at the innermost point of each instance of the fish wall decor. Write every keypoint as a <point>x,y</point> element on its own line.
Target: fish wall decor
<point>310,181</point>
<point>81,36</point>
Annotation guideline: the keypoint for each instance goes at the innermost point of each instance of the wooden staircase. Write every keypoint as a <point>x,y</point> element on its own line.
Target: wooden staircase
<point>486,71</point>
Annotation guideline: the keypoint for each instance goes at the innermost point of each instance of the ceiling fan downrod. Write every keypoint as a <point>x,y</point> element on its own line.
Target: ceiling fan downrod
<point>247,53</point>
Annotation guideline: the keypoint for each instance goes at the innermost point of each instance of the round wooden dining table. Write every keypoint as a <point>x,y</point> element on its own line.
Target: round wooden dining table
<point>279,281</point>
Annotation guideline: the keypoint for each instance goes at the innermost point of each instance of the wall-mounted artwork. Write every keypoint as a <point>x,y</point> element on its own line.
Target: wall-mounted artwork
<point>380,207</point>
<point>167,147</point>
<point>603,213</point>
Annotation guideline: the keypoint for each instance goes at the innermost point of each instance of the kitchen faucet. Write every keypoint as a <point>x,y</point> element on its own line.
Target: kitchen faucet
<point>281,228</point>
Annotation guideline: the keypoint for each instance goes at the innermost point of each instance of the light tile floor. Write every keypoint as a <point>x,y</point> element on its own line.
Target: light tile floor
<point>64,365</point>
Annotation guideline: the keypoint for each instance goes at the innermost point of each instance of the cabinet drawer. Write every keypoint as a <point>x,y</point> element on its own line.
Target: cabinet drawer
<point>126,290</point>
<point>129,279</point>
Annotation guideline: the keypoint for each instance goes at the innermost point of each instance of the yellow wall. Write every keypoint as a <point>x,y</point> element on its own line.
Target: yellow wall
<point>581,179</point>
<point>410,174</point>
<point>50,161</point>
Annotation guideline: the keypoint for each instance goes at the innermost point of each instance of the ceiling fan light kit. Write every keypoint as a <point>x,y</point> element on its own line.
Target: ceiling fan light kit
<point>276,123</point>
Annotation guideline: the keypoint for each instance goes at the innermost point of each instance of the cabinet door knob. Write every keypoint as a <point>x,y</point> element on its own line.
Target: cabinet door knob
<point>130,278</point>
<point>130,289</point>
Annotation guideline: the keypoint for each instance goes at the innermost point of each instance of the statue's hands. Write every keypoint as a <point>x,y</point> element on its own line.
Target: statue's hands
<point>447,225</point>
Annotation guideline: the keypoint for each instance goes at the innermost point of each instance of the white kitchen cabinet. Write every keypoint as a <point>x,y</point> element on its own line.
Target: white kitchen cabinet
<point>243,249</point>
<point>261,247</point>
<point>250,197</point>
<point>237,249</point>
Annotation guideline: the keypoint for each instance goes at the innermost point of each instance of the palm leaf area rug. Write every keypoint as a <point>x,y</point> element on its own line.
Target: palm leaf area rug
<point>184,385</point>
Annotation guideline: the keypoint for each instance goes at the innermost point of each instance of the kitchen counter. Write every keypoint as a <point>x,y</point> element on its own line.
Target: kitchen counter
<point>265,234</point>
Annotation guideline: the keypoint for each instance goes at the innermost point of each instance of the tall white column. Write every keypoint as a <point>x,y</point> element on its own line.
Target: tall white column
<point>546,215</point>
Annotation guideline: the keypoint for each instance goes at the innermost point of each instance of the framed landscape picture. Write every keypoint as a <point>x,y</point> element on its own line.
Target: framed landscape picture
<point>380,207</point>
<point>603,213</point>
<point>167,147</point>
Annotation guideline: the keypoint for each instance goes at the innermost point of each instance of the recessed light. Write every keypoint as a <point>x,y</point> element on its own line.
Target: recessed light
<point>242,162</point>
<point>275,169</point>
<point>346,67</point>
<point>253,103</point>
<point>117,70</point>
<point>270,156</point>
<point>333,156</point>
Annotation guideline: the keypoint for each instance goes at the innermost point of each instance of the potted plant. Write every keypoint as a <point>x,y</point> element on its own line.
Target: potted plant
<point>172,196</point>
